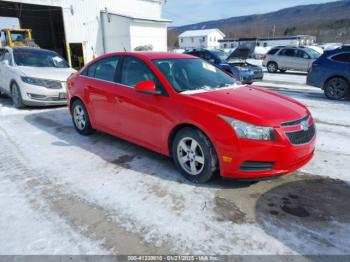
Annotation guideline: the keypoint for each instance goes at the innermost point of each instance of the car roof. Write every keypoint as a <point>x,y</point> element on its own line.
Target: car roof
<point>153,55</point>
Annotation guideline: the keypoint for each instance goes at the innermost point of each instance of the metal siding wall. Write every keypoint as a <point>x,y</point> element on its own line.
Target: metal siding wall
<point>83,26</point>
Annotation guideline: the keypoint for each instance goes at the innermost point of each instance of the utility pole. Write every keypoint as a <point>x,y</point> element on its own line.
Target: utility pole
<point>273,31</point>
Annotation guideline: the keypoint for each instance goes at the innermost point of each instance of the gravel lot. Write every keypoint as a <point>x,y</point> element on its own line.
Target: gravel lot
<point>61,193</point>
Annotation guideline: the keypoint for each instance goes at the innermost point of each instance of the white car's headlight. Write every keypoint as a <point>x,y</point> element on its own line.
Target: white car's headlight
<point>249,131</point>
<point>52,84</point>
<point>33,81</point>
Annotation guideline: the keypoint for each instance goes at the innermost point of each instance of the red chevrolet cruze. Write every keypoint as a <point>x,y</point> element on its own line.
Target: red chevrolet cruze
<point>184,107</point>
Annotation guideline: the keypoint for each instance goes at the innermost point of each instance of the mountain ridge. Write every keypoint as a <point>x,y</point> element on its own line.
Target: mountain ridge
<point>327,21</point>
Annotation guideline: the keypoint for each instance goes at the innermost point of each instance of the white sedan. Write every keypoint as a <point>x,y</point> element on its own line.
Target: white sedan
<point>33,76</point>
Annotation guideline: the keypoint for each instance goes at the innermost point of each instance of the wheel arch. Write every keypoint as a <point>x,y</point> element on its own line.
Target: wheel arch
<point>13,81</point>
<point>181,126</point>
<point>335,76</point>
<point>271,61</point>
<point>72,100</point>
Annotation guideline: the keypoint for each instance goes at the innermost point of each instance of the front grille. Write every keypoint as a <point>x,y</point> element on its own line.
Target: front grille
<point>296,122</point>
<point>302,137</point>
<point>46,98</point>
<point>52,84</point>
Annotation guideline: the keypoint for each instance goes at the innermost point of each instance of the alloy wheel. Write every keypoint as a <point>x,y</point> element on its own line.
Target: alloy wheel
<point>336,89</point>
<point>272,67</point>
<point>190,156</point>
<point>79,117</point>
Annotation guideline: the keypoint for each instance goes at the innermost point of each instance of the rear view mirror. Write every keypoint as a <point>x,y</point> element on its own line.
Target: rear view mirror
<point>147,87</point>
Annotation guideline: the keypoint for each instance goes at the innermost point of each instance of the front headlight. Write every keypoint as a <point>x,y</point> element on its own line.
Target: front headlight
<point>33,81</point>
<point>249,131</point>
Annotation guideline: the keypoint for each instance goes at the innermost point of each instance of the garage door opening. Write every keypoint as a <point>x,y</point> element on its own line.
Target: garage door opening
<point>76,55</point>
<point>46,23</point>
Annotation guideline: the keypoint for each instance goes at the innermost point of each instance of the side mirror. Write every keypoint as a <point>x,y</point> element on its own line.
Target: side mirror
<point>147,87</point>
<point>212,60</point>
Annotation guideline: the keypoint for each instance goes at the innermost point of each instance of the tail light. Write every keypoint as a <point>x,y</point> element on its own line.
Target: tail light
<point>263,57</point>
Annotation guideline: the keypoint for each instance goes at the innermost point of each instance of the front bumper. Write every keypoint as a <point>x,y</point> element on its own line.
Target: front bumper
<point>33,95</point>
<point>261,159</point>
<point>251,76</point>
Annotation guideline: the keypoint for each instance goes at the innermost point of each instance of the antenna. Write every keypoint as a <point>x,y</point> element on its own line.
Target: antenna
<point>124,47</point>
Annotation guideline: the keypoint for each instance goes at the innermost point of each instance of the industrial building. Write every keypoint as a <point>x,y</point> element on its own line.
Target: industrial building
<point>83,29</point>
<point>298,40</point>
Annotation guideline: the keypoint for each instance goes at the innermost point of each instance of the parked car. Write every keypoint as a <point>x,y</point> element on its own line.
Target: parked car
<point>33,76</point>
<point>234,63</point>
<point>283,58</point>
<point>331,72</point>
<point>182,106</point>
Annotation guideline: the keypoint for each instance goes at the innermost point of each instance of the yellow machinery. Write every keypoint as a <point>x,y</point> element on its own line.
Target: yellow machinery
<point>17,37</point>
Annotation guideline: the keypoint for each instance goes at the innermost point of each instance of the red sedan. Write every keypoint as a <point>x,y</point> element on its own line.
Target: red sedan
<point>186,108</point>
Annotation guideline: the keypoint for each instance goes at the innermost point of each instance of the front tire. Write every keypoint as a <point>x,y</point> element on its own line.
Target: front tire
<point>16,96</point>
<point>194,155</point>
<point>272,67</point>
<point>337,89</point>
<point>81,119</point>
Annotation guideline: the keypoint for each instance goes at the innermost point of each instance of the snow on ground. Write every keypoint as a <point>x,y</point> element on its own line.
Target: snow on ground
<point>26,230</point>
<point>75,190</point>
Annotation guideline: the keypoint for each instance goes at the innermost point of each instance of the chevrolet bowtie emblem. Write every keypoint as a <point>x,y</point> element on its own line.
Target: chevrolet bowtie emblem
<point>304,125</point>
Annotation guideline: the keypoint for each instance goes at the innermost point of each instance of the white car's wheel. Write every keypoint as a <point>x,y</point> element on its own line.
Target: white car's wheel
<point>16,96</point>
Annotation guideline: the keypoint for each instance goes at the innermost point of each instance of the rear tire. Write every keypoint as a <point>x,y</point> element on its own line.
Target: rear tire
<point>81,119</point>
<point>16,96</point>
<point>337,88</point>
<point>272,67</point>
<point>194,155</point>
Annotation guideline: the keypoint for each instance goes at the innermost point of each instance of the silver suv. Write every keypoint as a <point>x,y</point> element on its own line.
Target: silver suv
<point>285,58</point>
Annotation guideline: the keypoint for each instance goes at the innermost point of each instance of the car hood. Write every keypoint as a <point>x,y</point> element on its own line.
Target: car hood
<point>59,74</point>
<point>254,104</point>
<point>240,53</point>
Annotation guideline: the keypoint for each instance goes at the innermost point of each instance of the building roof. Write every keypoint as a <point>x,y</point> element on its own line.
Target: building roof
<point>160,20</point>
<point>266,39</point>
<point>205,32</point>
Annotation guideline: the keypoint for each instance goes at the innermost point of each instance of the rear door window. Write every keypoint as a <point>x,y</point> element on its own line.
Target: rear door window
<point>104,69</point>
<point>302,54</point>
<point>288,52</point>
<point>344,57</point>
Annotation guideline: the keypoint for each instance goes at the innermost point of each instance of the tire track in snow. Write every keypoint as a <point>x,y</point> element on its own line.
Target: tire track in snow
<point>85,218</point>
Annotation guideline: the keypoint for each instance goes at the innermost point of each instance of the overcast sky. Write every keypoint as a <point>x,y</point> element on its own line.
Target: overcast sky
<point>184,12</point>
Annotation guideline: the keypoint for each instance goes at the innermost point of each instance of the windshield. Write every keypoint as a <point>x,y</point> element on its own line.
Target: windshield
<point>221,55</point>
<point>18,36</point>
<point>38,58</point>
<point>313,53</point>
<point>193,74</point>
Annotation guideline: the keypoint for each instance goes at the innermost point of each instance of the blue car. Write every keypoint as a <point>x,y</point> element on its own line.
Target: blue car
<point>331,72</point>
<point>235,64</point>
